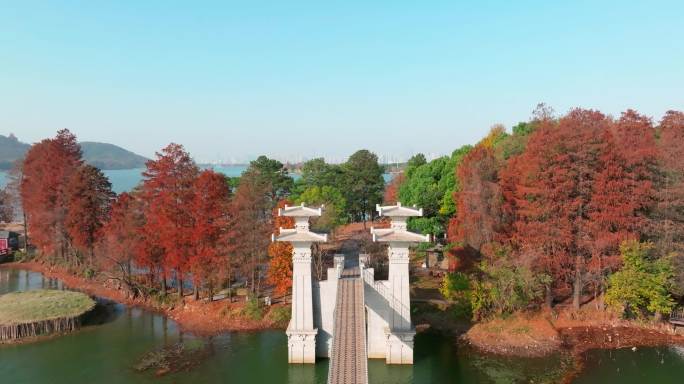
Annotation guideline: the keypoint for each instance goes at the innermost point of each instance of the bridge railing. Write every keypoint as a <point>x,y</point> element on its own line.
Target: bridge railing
<point>677,314</point>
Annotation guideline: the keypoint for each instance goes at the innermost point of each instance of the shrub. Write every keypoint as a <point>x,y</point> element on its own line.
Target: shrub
<point>89,273</point>
<point>164,301</point>
<point>643,284</point>
<point>504,289</point>
<point>253,310</point>
<point>280,315</point>
<point>455,285</point>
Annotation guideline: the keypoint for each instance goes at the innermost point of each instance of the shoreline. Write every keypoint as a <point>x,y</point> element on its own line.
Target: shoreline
<point>544,333</point>
<point>198,317</point>
<point>521,335</point>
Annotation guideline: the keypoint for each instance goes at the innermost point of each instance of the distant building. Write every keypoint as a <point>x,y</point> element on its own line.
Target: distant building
<point>9,242</point>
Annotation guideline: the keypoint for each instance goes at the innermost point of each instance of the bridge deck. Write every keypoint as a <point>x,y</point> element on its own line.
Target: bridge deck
<point>349,363</point>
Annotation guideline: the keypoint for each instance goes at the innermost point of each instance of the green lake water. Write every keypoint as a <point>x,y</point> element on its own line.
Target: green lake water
<point>106,350</point>
<point>124,180</point>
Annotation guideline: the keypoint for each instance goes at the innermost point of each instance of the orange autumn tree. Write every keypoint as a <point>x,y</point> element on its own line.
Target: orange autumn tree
<point>168,189</point>
<point>280,255</point>
<point>119,240</point>
<point>47,166</point>
<point>89,199</point>
<point>211,220</point>
<point>391,195</point>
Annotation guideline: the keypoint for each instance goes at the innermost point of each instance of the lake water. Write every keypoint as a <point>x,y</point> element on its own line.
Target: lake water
<point>124,180</point>
<point>106,351</point>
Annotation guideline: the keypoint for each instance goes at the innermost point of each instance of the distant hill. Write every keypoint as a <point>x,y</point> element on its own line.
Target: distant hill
<point>110,156</point>
<point>11,149</point>
<point>101,155</point>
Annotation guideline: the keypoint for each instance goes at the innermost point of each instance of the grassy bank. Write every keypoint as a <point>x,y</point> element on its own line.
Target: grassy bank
<point>41,312</point>
<point>198,317</point>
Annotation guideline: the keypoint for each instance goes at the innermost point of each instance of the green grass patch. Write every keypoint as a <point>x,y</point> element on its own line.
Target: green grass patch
<point>40,305</point>
<point>280,315</point>
<point>253,310</point>
<point>524,330</point>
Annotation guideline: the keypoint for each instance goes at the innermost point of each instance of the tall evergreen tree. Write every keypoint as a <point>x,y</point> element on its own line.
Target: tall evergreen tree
<point>363,184</point>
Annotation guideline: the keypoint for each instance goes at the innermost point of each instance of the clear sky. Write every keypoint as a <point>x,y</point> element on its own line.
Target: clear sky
<point>232,80</point>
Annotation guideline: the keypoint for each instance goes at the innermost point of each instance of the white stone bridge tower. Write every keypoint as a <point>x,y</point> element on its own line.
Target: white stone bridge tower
<point>301,334</point>
<point>389,331</point>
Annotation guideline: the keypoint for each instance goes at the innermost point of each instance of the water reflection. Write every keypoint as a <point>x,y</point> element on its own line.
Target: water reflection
<point>13,280</point>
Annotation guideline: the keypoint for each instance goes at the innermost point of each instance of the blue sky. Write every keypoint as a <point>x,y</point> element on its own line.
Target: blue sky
<point>232,80</point>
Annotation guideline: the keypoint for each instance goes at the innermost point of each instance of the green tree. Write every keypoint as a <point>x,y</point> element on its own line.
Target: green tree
<point>644,282</point>
<point>334,213</point>
<point>414,162</point>
<point>318,173</point>
<point>363,184</point>
<point>6,208</point>
<point>431,186</point>
<point>456,288</point>
<point>513,145</point>
<point>271,172</point>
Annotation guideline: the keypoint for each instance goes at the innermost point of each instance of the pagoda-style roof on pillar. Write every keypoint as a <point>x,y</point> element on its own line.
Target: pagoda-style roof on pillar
<point>398,210</point>
<point>300,236</point>
<point>300,211</point>
<point>300,233</point>
<point>397,231</point>
<point>399,236</point>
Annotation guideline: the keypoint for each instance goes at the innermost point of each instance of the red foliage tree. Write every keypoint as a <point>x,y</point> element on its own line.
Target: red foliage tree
<point>576,193</point>
<point>668,216</point>
<point>479,219</point>
<point>548,188</point>
<point>210,215</point>
<point>89,198</point>
<point>120,239</point>
<point>47,167</point>
<point>623,191</point>
<point>280,254</point>
<point>392,189</point>
<point>251,226</point>
<point>168,193</point>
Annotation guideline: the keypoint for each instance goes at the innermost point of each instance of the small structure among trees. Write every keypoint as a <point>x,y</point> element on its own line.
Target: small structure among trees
<point>9,242</point>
